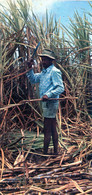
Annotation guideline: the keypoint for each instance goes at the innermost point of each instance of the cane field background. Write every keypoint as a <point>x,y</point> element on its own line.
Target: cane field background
<point>23,167</point>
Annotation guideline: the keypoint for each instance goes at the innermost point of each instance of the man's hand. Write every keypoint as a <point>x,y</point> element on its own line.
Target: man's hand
<point>45,98</point>
<point>30,63</point>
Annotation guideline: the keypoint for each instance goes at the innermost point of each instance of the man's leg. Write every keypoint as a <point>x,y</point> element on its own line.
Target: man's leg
<point>47,134</point>
<point>54,135</point>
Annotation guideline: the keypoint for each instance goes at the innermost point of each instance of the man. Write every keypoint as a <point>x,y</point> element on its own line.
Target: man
<point>50,86</point>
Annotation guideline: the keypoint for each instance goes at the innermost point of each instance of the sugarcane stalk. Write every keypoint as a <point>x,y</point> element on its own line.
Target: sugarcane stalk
<point>40,99</point>
<point>35,100</point>
<point>1,74</point>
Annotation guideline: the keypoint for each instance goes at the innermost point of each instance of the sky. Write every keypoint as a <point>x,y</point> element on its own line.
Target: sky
<point>62,9</point>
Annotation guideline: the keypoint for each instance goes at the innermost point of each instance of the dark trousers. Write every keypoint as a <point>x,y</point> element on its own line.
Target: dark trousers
<point>50,130</point>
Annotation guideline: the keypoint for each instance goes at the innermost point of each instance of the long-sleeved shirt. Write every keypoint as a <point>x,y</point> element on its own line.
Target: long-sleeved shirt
<point>50,84</point>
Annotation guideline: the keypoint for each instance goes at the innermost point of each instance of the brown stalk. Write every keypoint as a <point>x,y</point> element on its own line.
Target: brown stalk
<point>35,100</point>
<point>3,120</point>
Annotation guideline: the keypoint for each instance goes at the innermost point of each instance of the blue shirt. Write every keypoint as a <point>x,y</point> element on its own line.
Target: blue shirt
<point>50,84</point>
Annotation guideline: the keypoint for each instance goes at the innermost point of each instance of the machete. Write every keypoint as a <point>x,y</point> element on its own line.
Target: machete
<point>35,50</point>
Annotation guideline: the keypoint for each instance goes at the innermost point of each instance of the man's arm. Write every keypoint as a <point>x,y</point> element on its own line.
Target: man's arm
<point>33,78</point>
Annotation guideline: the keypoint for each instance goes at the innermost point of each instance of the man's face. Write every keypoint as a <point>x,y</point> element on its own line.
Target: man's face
<point>46,61</point>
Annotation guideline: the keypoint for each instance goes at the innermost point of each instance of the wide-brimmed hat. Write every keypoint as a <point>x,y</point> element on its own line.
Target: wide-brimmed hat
<point>48,53</point>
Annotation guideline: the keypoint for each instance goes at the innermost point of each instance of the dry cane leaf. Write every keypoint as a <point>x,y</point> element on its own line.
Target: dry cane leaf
<point>34,188</point>
<point>2,153</point>
<point>62,158</point>
<point>37,131</point>
<point>1,193</point>
<point>70,149</point>
<point>72,164</point>
<point>59,189</point>
<point>39,193</point>
<point>85,193</point>
<point>20,158</point>
<point>77,186</point>
<point>8,164</point>
<point>22,133</point>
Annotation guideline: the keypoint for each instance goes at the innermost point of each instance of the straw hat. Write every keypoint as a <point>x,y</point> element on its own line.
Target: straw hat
<point>48,53</point>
